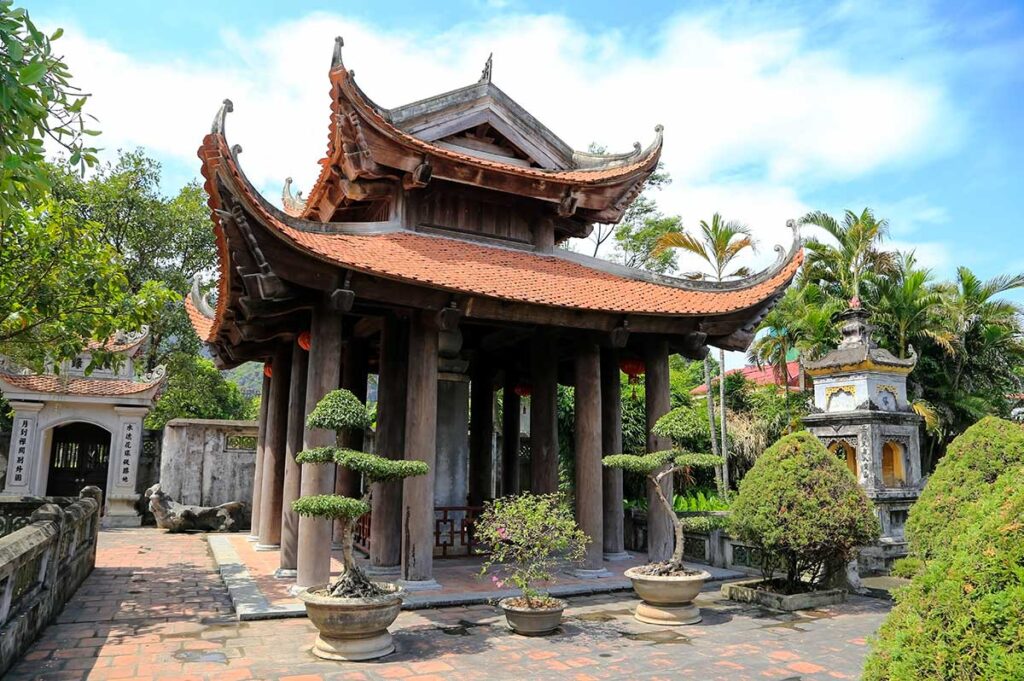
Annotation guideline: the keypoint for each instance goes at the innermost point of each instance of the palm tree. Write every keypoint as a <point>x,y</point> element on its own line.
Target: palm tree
<point>844,264</point>
<point>718,245</point>
<point>905,303</point>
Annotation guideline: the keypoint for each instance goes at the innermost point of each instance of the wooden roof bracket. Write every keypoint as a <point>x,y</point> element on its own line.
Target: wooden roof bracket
<point>419,177</point>
<point>342,299</point>
<point>568,203</point>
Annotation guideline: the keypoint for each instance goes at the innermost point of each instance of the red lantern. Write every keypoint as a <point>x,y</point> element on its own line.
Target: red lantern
<point>523,389</point>
<point>634,368</point>
<point>304,340</point>
<point>267,371</point>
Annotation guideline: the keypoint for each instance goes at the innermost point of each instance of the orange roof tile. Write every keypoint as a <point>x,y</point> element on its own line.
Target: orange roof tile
<point>202,324</point>
<point>76,386</point>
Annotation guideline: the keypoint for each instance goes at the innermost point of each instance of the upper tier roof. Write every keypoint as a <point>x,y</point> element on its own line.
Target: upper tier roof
<point>473,135</point>
<point>858,351</point>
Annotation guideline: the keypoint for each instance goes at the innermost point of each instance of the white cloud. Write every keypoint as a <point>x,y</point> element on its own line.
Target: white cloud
<point>749,120</point>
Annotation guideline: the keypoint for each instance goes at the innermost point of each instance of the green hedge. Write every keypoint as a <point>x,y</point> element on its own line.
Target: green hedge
<point>801,506</point>
<point>971,465</point>
<point>962,617</point>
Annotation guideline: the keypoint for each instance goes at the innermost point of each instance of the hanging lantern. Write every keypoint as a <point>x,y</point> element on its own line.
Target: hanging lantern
<point>304,340</point>
<point>634,368</point>
<point>523,389</point>
<point>267,371</point>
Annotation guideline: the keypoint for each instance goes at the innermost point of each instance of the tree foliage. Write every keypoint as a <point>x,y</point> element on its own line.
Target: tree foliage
<point>196,389</point>
<point>37,103</point>
<point>803,509</point>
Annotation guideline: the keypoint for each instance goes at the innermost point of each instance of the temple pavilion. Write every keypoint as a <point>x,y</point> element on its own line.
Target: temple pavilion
<point>428,253</point>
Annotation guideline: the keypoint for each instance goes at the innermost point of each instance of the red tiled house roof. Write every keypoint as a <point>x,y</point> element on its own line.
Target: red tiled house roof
<point>760,376</point>
<point>77,386</point>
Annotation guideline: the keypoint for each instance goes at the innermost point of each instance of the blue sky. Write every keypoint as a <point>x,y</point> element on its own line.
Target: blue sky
<point>769,109</point>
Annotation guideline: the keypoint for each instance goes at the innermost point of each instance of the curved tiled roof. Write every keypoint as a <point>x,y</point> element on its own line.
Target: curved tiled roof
<point>65,385</point>
<point>202,324</point>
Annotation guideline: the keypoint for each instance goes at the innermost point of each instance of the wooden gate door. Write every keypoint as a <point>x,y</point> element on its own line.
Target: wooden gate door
<point>79,455</point>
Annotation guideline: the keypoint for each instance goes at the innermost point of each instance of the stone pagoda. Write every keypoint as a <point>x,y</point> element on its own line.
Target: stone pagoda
<point>861,413</point>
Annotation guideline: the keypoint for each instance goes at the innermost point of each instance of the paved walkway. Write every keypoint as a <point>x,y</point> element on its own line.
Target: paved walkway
<point>155,608</point>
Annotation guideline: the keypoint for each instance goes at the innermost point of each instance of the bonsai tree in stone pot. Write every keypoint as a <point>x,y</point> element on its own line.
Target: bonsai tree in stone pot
<point>529,536</point>
<point>352,614</point>
<point>801,508</point>
<point>668,588</point>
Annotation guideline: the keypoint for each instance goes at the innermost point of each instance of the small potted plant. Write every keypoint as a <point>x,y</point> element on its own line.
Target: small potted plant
<point>668,588</point>
<point>806,515</point>
<point>352,614</point>
<point>529,536</point>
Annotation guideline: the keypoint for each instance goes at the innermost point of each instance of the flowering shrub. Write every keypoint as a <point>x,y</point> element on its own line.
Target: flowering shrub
<point>529,535</point>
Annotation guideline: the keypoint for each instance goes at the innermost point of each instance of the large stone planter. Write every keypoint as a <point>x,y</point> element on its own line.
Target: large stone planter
<point>667,600</point>
<point>532,622</point>
<point>352,629</point>
<point>748,592</point>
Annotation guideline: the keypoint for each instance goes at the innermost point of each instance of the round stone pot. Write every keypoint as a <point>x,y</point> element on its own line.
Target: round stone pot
<point>352,629</point>
<point>667,600</point>
<point>532,622</point>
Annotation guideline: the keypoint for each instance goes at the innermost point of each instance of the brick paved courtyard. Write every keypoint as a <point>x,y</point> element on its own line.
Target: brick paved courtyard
<point>155,608</point>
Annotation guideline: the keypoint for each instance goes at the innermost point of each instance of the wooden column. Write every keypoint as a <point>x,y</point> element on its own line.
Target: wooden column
<point>314,557</point>
<point>354,374</point>
<point>660,533</point>
<point>543,414</point>
<point>292,469</point>
<point>589,515</point>
<point>481,431</point>
<point>273,451</point>
<point>611,443</point>
<point>420,443</point>
<point>510,435</point>
<point>257,483</point>
<point>386,516</point>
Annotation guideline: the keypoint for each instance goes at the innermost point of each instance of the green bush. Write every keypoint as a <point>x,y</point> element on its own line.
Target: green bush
<point>971,465</point>
<point>962,617</point>
<point>906,567</point>
<point>340,410</point>
<point>801,507</point>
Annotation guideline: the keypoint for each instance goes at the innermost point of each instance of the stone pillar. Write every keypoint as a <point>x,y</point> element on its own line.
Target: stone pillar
<point>292,469</point>
<point>23,474</point>
<point>481,431</point>
<point>272,498</point>
<point>611,443</point>
<point>451,463</point>
<point>257,484</point>
<point>125,445</point>
<point>510,436</point>
<point>543,414</point>
<point>355,371</point>
<point>324,373</point>
<point>420,443</point>
<point>660,532</point>
<point>386,515</point>
<point>589,515</point>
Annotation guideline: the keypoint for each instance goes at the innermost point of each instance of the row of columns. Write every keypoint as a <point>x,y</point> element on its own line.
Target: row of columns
<point>402,531</point>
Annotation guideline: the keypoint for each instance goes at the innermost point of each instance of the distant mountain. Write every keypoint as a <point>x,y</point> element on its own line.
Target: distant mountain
<point>248,376</point>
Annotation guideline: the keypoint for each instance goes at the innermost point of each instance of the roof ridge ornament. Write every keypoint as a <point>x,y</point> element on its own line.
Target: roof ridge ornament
<point>293,204</point>
<point>199,299</point>
<point>226,107</point>
<point>336,62</point>
<point>485,75</point>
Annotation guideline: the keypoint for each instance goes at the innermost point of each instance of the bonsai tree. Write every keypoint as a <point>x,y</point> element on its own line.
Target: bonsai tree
<point>340,410</point>
<point>529,535</point>
<point>801,507</point>
<point>656,466</point>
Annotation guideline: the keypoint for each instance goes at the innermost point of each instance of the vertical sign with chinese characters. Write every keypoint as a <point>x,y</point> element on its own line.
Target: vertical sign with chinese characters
<point>21,463</point>
<point>126,455</point>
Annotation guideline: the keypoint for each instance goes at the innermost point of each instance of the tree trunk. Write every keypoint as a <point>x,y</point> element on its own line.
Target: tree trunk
<point>721,406</point>
<point>711,422</point>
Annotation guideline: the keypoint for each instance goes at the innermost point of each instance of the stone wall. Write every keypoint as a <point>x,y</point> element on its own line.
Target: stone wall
<point>207,462</point>
<point>42,563</point>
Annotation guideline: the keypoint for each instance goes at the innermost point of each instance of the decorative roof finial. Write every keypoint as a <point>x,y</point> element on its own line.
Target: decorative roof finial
<point>485,75</point>
<point>336,62</point>
<point>293,204</point>
<point>218,121</point>
<point>199,299</point>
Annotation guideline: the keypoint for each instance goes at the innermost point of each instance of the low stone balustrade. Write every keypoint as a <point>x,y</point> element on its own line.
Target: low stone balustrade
<point>48,552</point>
